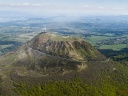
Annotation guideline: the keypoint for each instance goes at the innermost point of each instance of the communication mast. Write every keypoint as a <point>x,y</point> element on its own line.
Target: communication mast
<point>45,29</point>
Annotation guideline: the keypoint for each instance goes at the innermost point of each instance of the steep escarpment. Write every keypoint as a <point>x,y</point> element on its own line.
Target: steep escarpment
<point>66,47</point>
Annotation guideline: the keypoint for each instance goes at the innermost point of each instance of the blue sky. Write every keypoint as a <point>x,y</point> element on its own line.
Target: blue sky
<point>69,7</point>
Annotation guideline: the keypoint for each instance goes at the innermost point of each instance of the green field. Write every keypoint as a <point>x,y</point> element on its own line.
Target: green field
<point>5,46</point>
<point>97,38</point>
<point>108,42</point>
<point>114,47</point>
<point>15,40</point>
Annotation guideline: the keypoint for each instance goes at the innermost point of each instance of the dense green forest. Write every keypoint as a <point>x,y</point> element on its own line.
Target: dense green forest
<point>121,55</point>
<point>75,87</point>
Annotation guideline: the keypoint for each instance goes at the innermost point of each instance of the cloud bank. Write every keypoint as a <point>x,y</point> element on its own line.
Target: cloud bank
<point>69,9</point>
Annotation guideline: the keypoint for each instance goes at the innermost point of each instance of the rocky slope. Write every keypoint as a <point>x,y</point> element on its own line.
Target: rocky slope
<point>48,52</point>
<point>65,46</point>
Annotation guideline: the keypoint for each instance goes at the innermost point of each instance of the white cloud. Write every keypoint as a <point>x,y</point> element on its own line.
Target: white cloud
<point>19,4</point>
<point>70,9</point>
<point>77,7</point>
